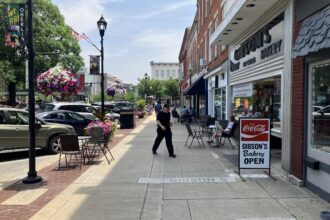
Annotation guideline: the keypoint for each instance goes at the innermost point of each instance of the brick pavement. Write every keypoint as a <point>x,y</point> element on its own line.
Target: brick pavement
<point>54,182</point>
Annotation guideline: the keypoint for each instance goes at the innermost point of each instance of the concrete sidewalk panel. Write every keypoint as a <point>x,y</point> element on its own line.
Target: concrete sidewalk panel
<point>234,209</point>
<point>304,208</point>
<point>198,191</point>
<point>250,190</point>
<point>176,210</point>
<point>282,189</point>
<point>152,209</point>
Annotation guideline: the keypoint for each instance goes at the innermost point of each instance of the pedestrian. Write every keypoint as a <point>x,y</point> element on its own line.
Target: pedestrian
<point>158,107</point>
<point>164,130</point>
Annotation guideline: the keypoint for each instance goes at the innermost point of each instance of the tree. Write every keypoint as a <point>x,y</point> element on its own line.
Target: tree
<point>157,88</point>
<point>53,44</point>
<point>172,88</point>
<point>144,88</point>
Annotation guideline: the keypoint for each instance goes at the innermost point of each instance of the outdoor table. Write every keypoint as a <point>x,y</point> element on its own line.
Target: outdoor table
<point>211,129</point>
<point>83,140</point>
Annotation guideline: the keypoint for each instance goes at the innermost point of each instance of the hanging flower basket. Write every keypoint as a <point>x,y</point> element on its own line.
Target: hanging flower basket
<point>113,90</point>
<point>57,82</point>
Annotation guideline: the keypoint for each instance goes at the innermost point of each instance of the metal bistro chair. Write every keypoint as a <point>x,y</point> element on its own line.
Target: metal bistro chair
<point>229,135</point>
<point>70,146</point>
<point>194,135</point>
<point>98,140</point>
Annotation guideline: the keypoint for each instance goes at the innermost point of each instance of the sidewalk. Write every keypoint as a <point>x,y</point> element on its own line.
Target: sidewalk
<point>198,184</point>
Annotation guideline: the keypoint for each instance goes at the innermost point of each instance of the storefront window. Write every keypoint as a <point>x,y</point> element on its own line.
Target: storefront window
<point>220,104</point>
<point>202,105</point>
<point>264,101</point>
<point>320,91</point>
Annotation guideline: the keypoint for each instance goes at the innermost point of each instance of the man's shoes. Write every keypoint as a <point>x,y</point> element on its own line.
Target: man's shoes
<point>154,152</point>
<point>172,155</point>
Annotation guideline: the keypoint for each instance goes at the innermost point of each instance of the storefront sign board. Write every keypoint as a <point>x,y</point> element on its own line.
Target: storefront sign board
<point>254,150</point>
<point>264,45</point>
<point>243,90</point>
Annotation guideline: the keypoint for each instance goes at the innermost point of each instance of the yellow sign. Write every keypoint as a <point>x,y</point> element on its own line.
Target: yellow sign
<point>238,102</point>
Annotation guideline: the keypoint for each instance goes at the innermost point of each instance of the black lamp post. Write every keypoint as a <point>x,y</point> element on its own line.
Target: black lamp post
<point>32,174</point>
<point>146,85</point>
<point>102,26</point>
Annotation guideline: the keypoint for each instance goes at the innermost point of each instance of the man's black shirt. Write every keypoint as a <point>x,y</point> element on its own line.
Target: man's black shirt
<point>164,119</point>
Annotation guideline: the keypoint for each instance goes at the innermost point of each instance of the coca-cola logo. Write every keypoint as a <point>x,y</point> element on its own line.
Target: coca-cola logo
<point>254,128</point>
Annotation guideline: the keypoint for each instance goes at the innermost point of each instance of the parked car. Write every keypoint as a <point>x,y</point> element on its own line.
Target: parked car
<point>116,106</point>
<point>84,109</point>
<point>14,131</point>
<point>76,120</point>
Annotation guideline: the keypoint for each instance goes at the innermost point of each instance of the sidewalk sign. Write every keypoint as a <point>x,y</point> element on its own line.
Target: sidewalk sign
<point>254,147</point>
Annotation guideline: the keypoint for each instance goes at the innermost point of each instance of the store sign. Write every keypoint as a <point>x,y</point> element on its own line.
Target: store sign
<point>264,44</point>
<point>14,14</point>
<point>254,151</point>
<point>243,90</point>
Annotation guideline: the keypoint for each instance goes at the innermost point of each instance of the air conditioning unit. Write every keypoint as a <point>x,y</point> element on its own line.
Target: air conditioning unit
<point>202,62</point>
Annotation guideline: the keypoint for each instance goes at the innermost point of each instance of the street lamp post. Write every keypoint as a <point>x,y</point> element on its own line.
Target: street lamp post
<point>102,26</point>
<point>146,85</point>
<point>32,174</point>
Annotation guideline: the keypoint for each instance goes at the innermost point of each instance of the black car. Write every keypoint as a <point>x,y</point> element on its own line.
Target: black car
<point>76,120</point>
<point>117,106</point>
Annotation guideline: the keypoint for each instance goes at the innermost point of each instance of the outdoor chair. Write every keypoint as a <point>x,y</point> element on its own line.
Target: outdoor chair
<point>70,147</point>
<point>194,135</point>
<point>98,140</point>
<point>227,136</point>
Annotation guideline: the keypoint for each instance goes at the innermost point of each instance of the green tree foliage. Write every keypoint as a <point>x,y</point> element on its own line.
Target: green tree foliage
<point>172,88</point>
<point>144,88</point>
<point>159,88</point>
<point>53,44</point>
<point>53,41</point>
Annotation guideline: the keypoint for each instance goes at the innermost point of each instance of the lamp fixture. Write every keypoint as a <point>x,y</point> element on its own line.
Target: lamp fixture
<point>250,5</point>
<point>102,25</point>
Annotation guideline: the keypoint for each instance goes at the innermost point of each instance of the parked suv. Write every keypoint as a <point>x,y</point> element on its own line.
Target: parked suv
<point>84,109</point>
<point>14,131</point>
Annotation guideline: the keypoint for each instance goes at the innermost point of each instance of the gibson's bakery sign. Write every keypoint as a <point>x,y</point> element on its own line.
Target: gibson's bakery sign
<point>263,45</point>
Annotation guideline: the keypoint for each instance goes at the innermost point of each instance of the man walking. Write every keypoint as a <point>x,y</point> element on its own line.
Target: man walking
<point>164,130</point>
<point>158,107</point>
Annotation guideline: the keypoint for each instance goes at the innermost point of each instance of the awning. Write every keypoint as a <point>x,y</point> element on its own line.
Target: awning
<point>197,87</point>
<point>314,34</point>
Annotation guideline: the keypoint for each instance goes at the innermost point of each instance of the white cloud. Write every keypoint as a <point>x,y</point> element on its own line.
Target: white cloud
<point>170,8</point>
<point>82,15</point>
<point>165,44</point>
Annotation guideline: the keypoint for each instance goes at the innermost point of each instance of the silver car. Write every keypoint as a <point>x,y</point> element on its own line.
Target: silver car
<point>14,131</point>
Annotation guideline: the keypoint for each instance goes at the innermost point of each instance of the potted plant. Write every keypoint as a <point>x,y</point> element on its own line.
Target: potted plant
<point>109,128</point>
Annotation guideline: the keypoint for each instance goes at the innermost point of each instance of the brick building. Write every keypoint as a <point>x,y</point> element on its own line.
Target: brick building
<point>311,96</point>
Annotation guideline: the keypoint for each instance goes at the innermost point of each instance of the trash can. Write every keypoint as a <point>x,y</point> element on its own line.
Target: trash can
<point>127,119</point>
<point>325,215</point>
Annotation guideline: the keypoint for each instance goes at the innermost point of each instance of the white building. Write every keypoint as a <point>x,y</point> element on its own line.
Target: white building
<point>111,80</point>
<point>164,71</point>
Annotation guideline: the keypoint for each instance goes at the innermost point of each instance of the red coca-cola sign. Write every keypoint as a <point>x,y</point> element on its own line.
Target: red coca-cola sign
<point>254,130</point>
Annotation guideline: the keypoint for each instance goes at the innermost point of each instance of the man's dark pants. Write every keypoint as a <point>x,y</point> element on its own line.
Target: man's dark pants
<point>168,138</point>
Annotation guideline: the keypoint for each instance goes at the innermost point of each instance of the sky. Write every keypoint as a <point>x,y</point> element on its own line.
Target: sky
<point>138,31</point>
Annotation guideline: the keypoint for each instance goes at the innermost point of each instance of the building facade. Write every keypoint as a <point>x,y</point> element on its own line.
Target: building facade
<point>164,71</point>
<point>311,96</point>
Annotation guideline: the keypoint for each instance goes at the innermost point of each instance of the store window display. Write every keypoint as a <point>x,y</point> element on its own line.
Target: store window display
<point>320,109</point>
<point>264,102</point>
